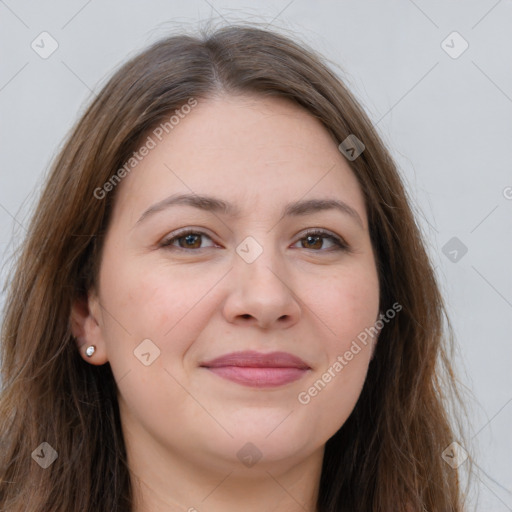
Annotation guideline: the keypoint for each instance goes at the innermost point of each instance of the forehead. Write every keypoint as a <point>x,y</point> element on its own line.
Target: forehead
<point>248,150</point>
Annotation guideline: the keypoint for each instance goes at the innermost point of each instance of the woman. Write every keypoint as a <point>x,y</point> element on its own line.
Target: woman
<point>224,302</point>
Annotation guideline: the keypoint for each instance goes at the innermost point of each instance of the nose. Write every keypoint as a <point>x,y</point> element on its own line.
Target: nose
<point>262,293</point>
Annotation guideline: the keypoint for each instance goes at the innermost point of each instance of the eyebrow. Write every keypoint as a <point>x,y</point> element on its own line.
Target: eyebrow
<point>217,205</point>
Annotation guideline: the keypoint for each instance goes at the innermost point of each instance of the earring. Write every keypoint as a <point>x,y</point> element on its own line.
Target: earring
<point>90,350</point>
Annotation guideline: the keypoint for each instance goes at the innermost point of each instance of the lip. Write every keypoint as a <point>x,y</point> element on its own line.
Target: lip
<point>256,369</point>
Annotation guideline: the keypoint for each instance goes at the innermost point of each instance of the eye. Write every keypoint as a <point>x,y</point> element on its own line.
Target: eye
<point>187,239</point>
<point>314,240</point>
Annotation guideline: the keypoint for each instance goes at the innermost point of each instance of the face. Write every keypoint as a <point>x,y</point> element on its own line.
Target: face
<point>182,285</point>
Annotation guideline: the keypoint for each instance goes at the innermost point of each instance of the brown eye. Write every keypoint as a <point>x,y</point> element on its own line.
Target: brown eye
<point>314,240</point>
<point>192,241</point>
<point>186,240</point>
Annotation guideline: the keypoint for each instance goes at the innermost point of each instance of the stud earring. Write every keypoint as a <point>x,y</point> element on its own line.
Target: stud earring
<point>90,350</point>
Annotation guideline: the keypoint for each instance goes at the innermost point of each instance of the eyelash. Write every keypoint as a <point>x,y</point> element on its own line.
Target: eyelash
<point>340,244</point>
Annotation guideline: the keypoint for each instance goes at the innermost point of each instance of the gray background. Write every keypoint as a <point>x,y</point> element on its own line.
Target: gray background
<point>446,120</point>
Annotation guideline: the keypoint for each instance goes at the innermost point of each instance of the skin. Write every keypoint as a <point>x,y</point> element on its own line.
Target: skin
<point>183,425</point>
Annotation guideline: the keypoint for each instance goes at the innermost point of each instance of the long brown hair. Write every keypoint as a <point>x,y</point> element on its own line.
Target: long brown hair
<point>387,455</point>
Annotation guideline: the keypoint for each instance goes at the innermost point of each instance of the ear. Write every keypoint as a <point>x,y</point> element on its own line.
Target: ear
<point>86,328</point>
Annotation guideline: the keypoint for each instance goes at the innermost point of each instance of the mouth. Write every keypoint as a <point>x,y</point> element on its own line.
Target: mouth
<point>255,369</point>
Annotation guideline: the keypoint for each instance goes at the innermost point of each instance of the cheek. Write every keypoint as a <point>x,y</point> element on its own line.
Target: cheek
<point>157,304</point>
<point>348,304</point>
<point>349,308</point>
<point>153,300</point>
<point>169,305</point>
<point>330,398</point>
